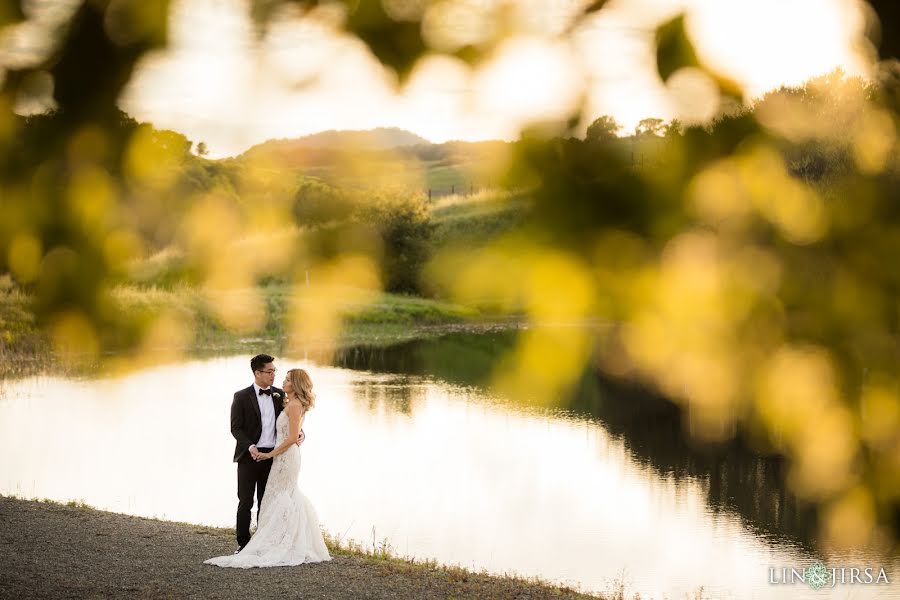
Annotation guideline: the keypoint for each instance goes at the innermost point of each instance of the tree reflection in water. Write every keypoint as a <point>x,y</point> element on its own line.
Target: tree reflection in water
<point>737,478</point>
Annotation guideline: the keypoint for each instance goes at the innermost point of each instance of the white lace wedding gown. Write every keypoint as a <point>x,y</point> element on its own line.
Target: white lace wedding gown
<point>287,531</point>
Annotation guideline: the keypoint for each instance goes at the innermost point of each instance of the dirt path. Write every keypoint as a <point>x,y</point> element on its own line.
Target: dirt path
<point>53,551</point>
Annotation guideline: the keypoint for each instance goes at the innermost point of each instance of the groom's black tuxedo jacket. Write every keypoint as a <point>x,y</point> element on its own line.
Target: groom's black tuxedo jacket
<point>246,420</point>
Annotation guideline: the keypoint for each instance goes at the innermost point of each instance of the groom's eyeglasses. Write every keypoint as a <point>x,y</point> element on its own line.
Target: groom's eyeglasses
<point>268,371</point>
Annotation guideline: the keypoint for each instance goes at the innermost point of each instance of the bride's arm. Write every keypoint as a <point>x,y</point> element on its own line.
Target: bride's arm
<point>295,415</point>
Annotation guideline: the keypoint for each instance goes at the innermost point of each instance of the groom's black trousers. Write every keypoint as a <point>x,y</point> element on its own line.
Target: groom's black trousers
<point>252,477</point>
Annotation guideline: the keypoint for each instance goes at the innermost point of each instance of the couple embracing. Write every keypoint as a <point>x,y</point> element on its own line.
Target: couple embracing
<point>266,422</point>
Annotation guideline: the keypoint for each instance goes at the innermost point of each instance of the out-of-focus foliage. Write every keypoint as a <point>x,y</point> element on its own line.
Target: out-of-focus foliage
<point>675,52</point>
<point>747,269</point>
<point>883,28</point>
<point>674,49</point>
<point>399,32</point>
<point>78,210</point>
<point>69,226</point>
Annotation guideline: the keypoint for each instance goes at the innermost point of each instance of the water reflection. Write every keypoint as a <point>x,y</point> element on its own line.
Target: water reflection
<point>735,478</point>
<point>436,469</point>
<point>398,395</point>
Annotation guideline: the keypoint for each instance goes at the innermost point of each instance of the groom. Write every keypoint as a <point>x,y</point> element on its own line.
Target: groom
<point>253,414</point>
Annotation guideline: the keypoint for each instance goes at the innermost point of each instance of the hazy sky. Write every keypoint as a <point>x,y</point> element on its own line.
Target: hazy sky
<point>215,83</point>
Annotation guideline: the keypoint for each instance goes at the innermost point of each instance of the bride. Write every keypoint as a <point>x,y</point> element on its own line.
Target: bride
<point>287,531</point>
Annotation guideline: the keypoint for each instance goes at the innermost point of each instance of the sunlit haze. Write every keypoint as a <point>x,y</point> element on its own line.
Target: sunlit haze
<point>215,83</point>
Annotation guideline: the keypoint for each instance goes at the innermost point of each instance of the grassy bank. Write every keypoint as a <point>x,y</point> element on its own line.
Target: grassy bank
<point>49,550</point>
<point>389,319</point>
<point>473,220</point>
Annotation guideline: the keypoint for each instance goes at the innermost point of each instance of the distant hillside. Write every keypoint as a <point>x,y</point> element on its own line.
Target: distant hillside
<point>447,168</point>
<point>382,138</point>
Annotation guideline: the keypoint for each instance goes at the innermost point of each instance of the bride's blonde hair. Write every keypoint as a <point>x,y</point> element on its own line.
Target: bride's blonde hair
<point>302,388</point>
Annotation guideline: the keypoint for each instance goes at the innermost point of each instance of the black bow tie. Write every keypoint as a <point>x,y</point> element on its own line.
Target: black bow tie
<point>267,392</point>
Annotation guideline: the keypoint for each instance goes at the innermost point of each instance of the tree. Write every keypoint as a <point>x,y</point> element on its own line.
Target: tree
<point>673,128</point>
<point>654,127</point>
<point>603,129</point>
<point>202,150</point>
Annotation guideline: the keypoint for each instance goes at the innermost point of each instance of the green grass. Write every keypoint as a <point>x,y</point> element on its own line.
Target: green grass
<point>364,320</point>
<point>441,178</point>
<point>485,203</point>
<point>388,319</point>
<point>18,328</point>
<point>166,268</point>
<point>476,219</point>
<point>24,347</point>
<point>389,309</point>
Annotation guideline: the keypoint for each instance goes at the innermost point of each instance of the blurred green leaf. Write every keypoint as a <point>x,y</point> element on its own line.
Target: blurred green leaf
<point>397,44</point>
<point>595,6</point>
<point>10,12</point>
<point>81,89</point>
<point>884,34</point>
<point>674,49</point>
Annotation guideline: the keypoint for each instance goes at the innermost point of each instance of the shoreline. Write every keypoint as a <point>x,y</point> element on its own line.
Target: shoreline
<point>26,348</point>
<point>57,550</point>
<point>18,365</point>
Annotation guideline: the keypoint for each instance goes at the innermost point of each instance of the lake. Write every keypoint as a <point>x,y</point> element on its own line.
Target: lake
<point>406,448</point>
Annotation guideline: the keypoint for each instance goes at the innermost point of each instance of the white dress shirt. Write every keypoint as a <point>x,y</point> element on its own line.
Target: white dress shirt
<point>267,412</point>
